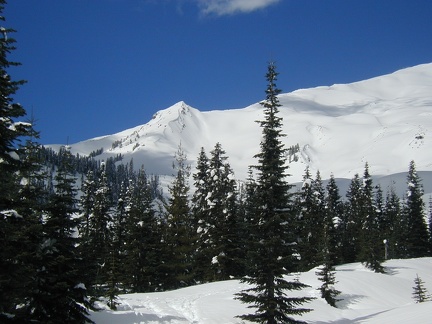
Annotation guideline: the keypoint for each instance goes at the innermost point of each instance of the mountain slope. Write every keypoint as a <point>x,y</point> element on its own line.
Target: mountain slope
<point>385,121</point>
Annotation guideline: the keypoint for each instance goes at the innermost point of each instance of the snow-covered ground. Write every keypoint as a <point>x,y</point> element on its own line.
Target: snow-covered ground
<point>367,297</point>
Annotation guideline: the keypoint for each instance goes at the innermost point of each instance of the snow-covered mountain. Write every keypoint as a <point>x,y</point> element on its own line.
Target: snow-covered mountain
<point>385,121</point>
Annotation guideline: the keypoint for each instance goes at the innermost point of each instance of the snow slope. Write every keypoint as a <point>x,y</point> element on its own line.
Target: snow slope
<point>367,297</point>
<point>385,121</point>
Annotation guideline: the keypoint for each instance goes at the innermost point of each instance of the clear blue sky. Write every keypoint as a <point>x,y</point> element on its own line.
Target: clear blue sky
<point>96,67</point>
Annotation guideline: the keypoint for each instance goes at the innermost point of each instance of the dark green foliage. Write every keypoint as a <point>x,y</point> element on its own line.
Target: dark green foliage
<point>142,238</point>
<point>218,248</point>
<point>416,232</point>
<point>326,274</point>
<point>200,219</point>
<point>392,229</point>
<point>113,276</point>
<point>96,236</point>
<point>311,205</point>
<point>33,201</point>
<point>179,236</point>
<point>63,295</point>
<point>329,245</point>
<point>370,250</point>
<point>20,226</point>
<point>222,217</point>
<point>350,224</point>
<point>11,130</point>
<point>272,251</point>
<point>117,276</point>
<point>248,205</point>
<point>332,222</point>
<point>430,224</point>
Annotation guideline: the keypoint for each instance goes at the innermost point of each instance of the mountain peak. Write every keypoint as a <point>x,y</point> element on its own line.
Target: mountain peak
<point>385,121</point>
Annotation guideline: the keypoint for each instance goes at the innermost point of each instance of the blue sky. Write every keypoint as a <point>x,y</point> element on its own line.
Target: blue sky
<point>96,67</point>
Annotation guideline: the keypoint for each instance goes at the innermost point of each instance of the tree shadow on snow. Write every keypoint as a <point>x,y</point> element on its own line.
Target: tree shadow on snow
<point>346,300</point>
<point>131,318</point>
<point>351,321</point>
<point>393,270</point>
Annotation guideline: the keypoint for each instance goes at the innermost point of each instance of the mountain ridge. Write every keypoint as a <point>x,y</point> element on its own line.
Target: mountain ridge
<point>385,121</point>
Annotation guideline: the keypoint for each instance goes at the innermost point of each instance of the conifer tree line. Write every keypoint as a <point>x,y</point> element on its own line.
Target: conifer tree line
<point>74,231</point>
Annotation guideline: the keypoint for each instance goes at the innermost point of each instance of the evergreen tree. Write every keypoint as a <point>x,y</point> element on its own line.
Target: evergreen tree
<point>63,296</point>
<point>430,223</point>
<point>31,206</point>
<point>328,244</point>
<point>420,293</point>
<point>326,274</point>
<point>370,242</point>
<point>116,270</point>
<point>222,216</point>
<point>351,221</point>
<point>179,235</point>
<point>96,215</point>
<point>273,251</point>
<point>218,246</point>
<point>201,220</point>
<point>416,236</point>
<point>304,204</point>
<point>319,212</point>
<point>393,228</point>
<point>311,218</point>
<point>332,221</point>
<point>88,189</point>
<point>379,204</point>
<point>143,254</point>
<point>14,217</point>
<point>101,218</point>
<point>249,206</point>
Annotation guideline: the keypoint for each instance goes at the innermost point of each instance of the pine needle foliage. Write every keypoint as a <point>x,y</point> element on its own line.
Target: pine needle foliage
<point>272,249</point>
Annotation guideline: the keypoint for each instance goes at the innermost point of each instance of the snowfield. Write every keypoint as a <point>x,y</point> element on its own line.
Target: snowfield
<point>385,121</point>
<point>366,297</point>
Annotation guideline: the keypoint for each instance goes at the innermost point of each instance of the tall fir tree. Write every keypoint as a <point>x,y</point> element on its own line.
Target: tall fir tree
<point>332,221</point>
<point>273,250</point>
<point>248,205</point>
<point>312,214</point>
<point>223,230</point>
<point>329,209</point>
<point>63,295</point>
<point>117,275</point>
<point>393,225</point>
<point>32,203</point>
<point>142,237</point>
<point>430,223</point>
<point>201,220</point>
<point>350,224</point>
<point>327,275</point>
<point>219,254</point>
<point>95,217</point>
<point>179,235</point>
<point>15,215</point>
<point>370,242</point>
<point>416,234</point>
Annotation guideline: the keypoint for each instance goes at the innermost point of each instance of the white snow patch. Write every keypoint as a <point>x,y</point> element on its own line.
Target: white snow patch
<point>367,297</point>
